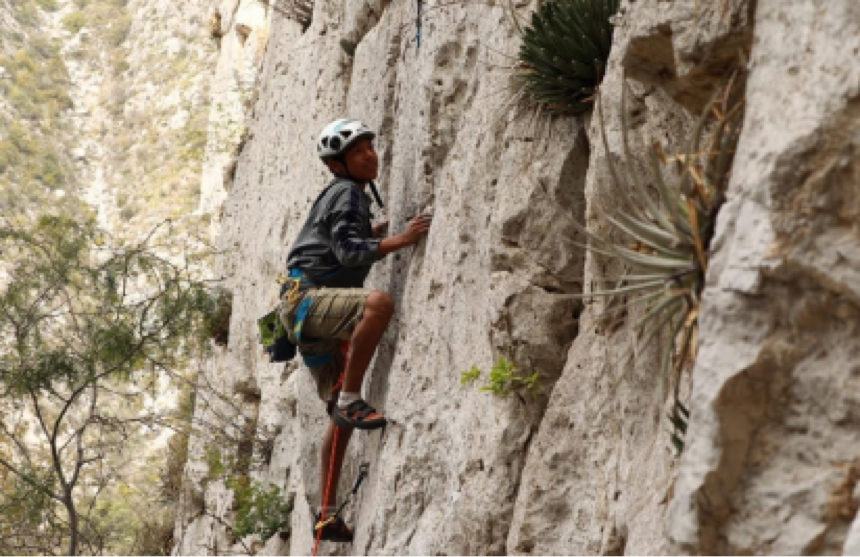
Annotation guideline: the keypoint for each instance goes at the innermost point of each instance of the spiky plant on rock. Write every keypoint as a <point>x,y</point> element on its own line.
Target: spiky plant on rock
<point>563,55</point>
<point>662,232</point>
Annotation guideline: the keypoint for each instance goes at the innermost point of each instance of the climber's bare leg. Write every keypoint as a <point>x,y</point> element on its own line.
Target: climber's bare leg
<point>378,310</point>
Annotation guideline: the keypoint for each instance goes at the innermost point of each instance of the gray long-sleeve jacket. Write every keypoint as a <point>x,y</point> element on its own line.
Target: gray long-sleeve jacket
<point>335,247</point>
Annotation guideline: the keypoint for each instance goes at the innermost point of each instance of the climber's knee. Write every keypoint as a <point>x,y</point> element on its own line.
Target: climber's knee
<point>379,305</point>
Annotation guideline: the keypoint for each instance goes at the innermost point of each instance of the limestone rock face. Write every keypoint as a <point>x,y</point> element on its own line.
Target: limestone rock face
<point>586,466</point>
<point>241,29</point>
<point>772,463</point>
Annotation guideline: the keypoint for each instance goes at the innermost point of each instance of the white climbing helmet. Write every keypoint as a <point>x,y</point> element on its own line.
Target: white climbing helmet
<point>340,134</point>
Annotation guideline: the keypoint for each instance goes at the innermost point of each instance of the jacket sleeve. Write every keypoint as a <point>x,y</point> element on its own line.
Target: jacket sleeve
<point>347,220</point>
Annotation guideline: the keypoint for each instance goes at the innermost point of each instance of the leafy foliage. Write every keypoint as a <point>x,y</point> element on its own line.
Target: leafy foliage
<point>504,379</point>
<point>170,479</point>
<point>74,316</point>
<point>155,537</point>
<point>260,510</point>
<point>563,54</point>
<point>26,514</point>
<point>118,30</point>
<point>216,322</point>
<point>80,317</point>
<point>74,22</point>
<point>469,377</point>
<point>36,88</point>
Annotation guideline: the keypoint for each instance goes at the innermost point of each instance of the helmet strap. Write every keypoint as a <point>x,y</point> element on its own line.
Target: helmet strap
<point>376,195</point>
<point>342,160</point>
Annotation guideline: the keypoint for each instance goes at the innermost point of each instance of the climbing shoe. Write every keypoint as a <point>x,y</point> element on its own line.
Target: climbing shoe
<point>332,529</point>
<point>359,415</point>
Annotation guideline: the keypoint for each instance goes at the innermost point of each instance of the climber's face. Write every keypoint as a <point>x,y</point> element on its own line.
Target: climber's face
<point>362,162</point>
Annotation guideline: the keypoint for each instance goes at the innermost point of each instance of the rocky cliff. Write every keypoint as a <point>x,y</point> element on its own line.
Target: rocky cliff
<point>140,90</point>
<point>770,463</point>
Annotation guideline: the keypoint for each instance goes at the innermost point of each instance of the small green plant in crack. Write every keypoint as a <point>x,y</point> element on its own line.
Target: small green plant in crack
<point>662,233</point>
<point>469,377</point>
<point>504,380</point>
<point>216,463</point>
<point>563,55</point>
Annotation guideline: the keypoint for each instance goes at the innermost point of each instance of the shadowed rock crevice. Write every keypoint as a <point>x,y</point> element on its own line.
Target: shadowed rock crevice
<point>690,48</point>
<point>537,324</point>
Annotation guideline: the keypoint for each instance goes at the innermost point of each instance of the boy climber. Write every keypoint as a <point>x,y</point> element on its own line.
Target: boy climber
<point>327,303</point>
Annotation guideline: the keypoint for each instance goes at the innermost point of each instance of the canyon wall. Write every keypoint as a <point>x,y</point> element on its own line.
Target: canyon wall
<point>586,466</point>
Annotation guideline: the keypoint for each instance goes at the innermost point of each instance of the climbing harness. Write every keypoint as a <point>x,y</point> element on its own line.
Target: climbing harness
<point>298,278</point>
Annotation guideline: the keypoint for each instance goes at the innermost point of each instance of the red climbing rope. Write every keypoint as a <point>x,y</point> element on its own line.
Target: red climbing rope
<point>344,347</point>
<point>327,489</point>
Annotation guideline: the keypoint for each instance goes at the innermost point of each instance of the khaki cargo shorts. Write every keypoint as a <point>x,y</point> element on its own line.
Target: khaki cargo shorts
<point>331,320</point>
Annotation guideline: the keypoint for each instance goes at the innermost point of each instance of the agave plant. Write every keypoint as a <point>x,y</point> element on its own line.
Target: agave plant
<point>563,55</point>
<point>665,229</point>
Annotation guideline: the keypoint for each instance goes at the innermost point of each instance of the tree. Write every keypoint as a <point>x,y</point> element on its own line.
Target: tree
<point>81,321</point>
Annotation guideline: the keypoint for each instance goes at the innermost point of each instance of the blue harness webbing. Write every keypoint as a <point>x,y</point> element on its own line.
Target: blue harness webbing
<point>305,306</point>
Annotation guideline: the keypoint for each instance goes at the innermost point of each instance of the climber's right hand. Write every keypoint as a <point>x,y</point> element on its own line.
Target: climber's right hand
<point>417,229</point>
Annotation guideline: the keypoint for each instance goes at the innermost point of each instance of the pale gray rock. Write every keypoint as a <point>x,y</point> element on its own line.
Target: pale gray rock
<point>770,464</point>
<point>774,431</point>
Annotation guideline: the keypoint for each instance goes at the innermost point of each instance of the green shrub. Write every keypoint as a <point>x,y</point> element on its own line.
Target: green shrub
<point>9,155</point>
<point>504,380</point>
<point>74,22</point>
<point>170,480</point>
<point>48,5</point>
<point>194,148</point>
<point>216,323</point>
<point>120,67</point>
<point>118,31</point>
<point>154,536</point>
<point>29,157</point>
<point>43,47</point>
<point>26,14</point>
<point>129,212</point>
<point>563,55</point>
<point>469,377</point>
<point>218,466</point>
<point>259,510</point>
